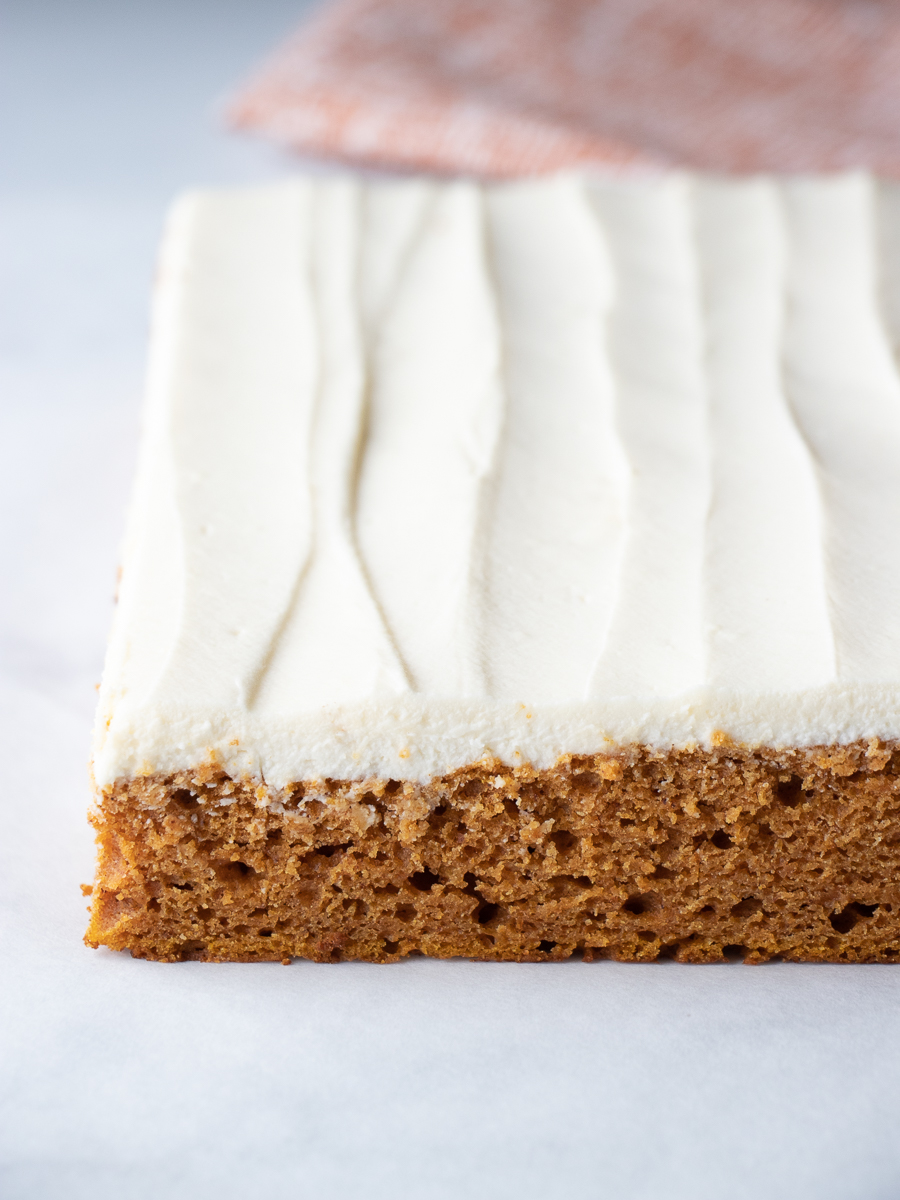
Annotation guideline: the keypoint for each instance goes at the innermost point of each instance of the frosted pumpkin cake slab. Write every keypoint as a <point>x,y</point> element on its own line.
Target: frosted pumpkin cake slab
<point>512,572</point>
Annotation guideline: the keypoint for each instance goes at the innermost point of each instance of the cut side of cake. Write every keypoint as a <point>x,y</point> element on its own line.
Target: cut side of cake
<point>512,572</point>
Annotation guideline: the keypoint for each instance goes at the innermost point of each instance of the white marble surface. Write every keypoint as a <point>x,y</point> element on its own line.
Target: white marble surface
<point>425,1080</point>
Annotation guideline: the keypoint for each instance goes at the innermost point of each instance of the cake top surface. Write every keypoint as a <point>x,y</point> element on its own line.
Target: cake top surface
<point>437,471</point>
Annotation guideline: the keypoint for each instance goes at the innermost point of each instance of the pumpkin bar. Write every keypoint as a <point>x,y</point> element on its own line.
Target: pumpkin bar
<point>512,572</point>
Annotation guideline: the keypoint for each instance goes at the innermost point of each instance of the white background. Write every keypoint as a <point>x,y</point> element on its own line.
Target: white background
<point>425,1079</point>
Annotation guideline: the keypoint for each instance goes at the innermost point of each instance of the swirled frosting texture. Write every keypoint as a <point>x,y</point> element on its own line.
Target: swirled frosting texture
<point>438,471</point>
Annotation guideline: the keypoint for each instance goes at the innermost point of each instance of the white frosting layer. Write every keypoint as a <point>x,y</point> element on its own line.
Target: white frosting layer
<point>433,472</point>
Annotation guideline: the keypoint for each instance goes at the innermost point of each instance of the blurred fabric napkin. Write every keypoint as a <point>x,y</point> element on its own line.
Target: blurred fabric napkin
<point>510,87</point>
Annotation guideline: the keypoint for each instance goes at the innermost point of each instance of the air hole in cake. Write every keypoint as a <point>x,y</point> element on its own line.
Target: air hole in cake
<point>626,821</point>
<point>790,791</point>
<point>848,917</point>
<point>153,906</point>
<point>185,798</point>
<point>707,908</point>
<point>240,930</point>
<point>662,873</point>
<point>471,882</point>
<point>389,889</point>
<point>583,881</point>
<point>546,947</point>
<point>843,921</point>
<point>586,781</point>
<point>260,912</point>
<point>647,935</point>
<point>391,947</point>
<point>563,841</point>
<point>265,933</point>
<point>474,787</point>
<point>273,835</point>
<point>234,873</point>
<point>182,887</point>
<point>393,786</point>
<point>721,840</point>
<point>746,907</point>
<point>734,953</point>
<point>510,807</point>
<point>486,912</point>
<point>635,905</point>
<point>328,851</point>
<point>405,913</point>
<point>424,880</point>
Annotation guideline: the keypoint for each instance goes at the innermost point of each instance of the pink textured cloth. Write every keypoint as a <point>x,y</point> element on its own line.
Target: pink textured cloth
<point>511,87</point>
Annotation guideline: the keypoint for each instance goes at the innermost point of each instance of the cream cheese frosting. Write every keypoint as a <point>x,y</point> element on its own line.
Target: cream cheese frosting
<point>435,471</point>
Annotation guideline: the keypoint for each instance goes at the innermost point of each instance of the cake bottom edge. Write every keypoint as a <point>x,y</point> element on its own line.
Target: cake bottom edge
<point>697,855</point>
